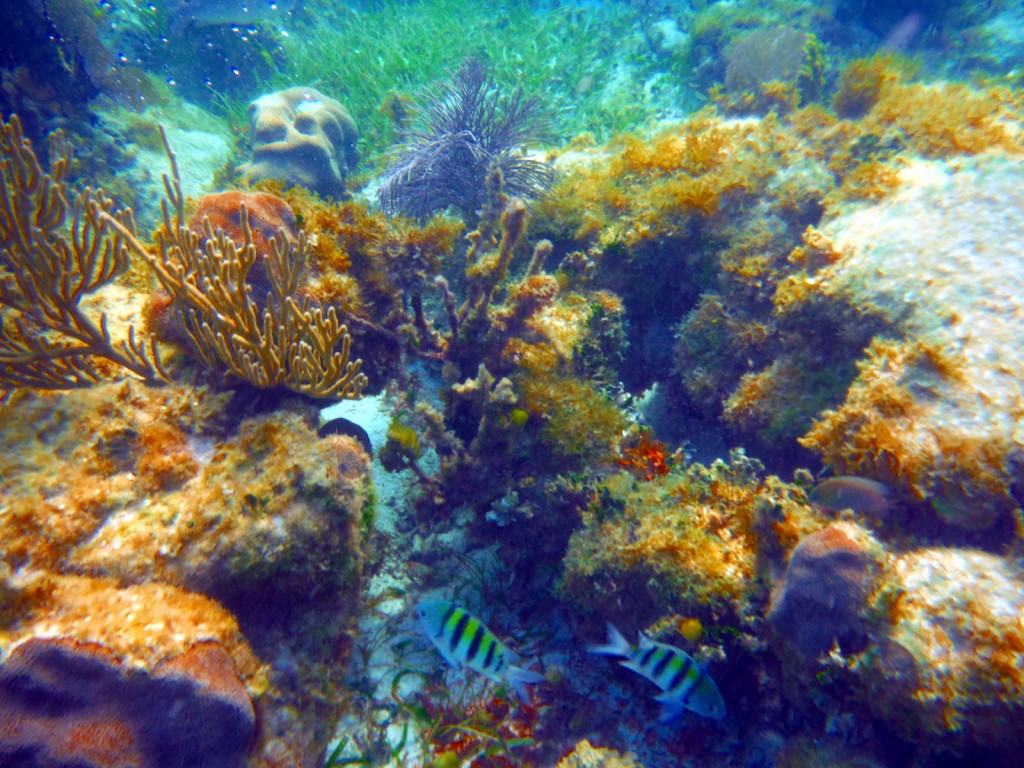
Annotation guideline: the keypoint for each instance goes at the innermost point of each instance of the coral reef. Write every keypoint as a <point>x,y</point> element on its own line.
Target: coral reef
<point>523,362</point>
<point>947,670</point>
<point>189,567</point>
<point>79,689</point>
<point>720,209</point>
<point>933,415</point>
<point>586,755</point>
<point>149,487</point>
<point>49,265</point>
<point>287,341</point>
<point>821,600</point>
<point>470,129</point>
<point>926,639</point>
<point>688,543</point>
<point>525,415</point>
<point>300,136</point>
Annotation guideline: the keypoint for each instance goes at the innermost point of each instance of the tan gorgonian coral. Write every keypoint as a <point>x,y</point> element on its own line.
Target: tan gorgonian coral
<point>48,264</point>
<point>285,342</point>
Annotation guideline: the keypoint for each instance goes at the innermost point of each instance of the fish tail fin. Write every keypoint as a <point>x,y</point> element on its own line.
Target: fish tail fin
<point>671,707</point>
<point>617,645</point>
<point>519,678</point>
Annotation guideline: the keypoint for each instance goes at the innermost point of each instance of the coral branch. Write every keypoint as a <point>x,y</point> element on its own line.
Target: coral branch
<point>284,341</point>
<point>47,265</point>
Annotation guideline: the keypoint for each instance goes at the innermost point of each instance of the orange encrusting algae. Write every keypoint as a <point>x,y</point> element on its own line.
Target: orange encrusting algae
<point>687,542</point>
<point>886,432</point>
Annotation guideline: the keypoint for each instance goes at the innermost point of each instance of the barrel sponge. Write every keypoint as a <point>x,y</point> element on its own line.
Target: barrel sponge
<point>822,598</point>
<point>301,137</point>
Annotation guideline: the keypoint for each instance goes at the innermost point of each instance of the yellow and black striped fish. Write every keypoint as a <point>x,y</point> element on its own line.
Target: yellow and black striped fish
<point>684,684</point>
<point>464,640</point>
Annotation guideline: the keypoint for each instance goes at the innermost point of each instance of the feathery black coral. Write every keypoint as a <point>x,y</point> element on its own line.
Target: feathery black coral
<point>468,128</point>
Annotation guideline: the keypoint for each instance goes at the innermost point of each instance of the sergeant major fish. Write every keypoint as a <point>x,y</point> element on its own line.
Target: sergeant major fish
<point>684,684</point>
<point>464,640</point>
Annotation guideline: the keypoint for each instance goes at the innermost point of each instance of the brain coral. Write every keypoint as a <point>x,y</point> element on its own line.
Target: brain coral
<point>299,136</point>
<point>821,600</point>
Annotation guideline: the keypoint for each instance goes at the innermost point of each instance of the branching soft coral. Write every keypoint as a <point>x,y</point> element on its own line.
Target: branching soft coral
<point>48,264</point>
<point>284,342</point>
<point>470,128</point>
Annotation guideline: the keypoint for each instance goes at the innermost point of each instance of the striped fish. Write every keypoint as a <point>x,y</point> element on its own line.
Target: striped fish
<point>464,640</point>
<point>684,684</point>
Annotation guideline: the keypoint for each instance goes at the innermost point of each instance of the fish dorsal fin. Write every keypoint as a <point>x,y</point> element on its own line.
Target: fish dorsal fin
<point>643,641</point>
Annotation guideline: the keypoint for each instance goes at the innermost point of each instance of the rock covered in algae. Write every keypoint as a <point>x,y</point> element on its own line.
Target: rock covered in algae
<point>148,495</point>
<point>586,755</point>
<point>95,675</point>
<point>150,486</point>
<point>937,416</point>
<point>949,669</point>
<point>684,542</point>
<point>269,509</point>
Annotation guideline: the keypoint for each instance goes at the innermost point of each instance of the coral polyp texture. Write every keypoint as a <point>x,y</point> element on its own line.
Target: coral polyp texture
<point>300,136</point>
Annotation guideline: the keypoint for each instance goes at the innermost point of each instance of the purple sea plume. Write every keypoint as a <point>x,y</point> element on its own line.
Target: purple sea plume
<point>468,126</point>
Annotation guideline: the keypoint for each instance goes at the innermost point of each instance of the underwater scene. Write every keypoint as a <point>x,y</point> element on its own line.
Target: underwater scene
<point>540,383</point>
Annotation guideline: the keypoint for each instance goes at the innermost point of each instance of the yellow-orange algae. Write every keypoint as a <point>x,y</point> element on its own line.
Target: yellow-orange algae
<point>954,619</point>
<point>646,188</point>
<point>885,430</point>
<point>140,625</point>
<point>687,542</point>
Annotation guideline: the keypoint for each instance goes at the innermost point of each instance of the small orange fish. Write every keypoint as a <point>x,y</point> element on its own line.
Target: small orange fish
<point>864,496</point>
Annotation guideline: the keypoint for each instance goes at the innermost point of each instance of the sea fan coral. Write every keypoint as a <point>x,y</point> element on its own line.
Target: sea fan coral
<point>469,126</point>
